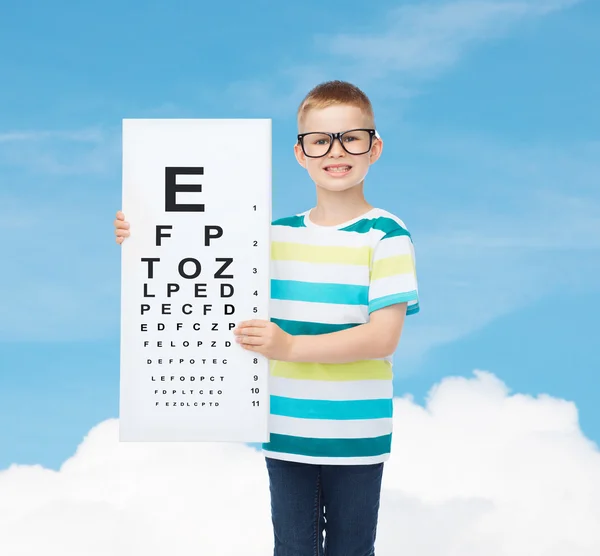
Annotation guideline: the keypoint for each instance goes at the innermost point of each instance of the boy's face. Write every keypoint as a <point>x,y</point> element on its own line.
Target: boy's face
<point>337,170</point>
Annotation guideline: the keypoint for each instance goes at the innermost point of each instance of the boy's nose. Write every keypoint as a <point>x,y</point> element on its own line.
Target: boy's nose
<point>336,148</point>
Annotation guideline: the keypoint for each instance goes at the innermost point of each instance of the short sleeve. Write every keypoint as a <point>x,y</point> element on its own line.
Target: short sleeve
<point>393,275</point>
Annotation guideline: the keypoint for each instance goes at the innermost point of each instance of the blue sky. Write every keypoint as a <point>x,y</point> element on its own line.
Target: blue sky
<point>492,158</point>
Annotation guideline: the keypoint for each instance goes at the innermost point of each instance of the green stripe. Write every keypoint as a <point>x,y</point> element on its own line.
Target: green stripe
<point>298,328</point>
<point>381,223</point>
<point>330,447</point>
<point>341,294</point>
<point>290,221</point>
<point>346,410</point>
<point>397,233</point>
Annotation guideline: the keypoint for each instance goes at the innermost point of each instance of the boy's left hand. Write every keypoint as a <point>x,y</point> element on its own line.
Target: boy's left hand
<point>264,337</point>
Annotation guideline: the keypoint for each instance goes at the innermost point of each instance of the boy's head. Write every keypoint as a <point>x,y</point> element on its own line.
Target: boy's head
<point>336,107</point>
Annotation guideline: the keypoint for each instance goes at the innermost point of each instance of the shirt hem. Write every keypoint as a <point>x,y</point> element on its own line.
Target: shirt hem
<point>322,460</point>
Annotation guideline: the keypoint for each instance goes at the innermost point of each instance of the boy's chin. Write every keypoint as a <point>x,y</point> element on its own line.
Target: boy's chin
<point>338,185</point>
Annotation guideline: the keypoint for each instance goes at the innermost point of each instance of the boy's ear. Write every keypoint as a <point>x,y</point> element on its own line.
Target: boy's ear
<point>376,150</point>
<point>299,155</point>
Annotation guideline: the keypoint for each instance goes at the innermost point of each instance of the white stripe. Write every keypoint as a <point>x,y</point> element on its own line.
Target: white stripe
<point>330,390</point>
<point>321,428</point>
<point>389,285</point>
<point>320,236</point>
<point>392,247</point>
<point>327,461</point>
<point>322,272</point>
<point>327,313</point>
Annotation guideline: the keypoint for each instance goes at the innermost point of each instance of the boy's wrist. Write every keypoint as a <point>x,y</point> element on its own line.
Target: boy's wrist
<point>292,350</point>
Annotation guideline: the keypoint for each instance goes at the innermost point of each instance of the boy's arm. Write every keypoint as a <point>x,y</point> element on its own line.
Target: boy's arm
<point>393,294</point>
<point>375,339</point>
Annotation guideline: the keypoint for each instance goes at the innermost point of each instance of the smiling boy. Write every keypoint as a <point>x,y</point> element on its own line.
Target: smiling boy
<point>342,281</point>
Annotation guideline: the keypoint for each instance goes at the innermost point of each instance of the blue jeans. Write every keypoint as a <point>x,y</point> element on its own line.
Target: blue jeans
<point>340,500</point>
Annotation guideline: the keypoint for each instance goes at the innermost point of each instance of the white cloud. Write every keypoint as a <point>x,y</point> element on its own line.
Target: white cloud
<point>425,38</point>
<point>477,471</point>
<point>79,135</point>
<point>61,152</point>
<point>73,152</point>
<point>411,43</point>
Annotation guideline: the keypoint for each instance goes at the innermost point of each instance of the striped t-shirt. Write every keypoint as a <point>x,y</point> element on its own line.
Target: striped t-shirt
<point>325,279</point>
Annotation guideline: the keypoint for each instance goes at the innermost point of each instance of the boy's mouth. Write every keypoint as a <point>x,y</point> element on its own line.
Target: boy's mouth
<point>337,169</point>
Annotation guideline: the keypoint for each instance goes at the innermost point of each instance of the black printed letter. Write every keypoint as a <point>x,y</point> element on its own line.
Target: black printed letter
<point>172,188</point>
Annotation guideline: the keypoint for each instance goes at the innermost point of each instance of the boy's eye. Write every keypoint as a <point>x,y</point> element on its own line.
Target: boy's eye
<point>350,138</point>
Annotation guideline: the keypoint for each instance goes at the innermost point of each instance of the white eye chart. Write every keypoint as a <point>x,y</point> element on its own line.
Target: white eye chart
<point>197,195</point>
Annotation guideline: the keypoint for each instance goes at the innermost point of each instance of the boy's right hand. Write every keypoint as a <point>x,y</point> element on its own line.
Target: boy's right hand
<point>121,227</point>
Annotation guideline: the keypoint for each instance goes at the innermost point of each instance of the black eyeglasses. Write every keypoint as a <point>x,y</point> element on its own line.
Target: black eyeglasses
<point>354,141</point>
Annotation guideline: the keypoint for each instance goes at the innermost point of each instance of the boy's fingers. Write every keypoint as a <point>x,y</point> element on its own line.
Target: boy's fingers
<point>251,340</point>
<point>252,331</point>
<point>254,322</point>
<point>121,224</point>
<point>122,233</point>
<point>120,215</point>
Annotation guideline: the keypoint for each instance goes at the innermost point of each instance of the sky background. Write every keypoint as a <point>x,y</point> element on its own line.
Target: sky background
<point>489,112</point>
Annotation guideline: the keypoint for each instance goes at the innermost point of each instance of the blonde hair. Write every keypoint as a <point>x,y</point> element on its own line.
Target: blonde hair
<point>335,93</point>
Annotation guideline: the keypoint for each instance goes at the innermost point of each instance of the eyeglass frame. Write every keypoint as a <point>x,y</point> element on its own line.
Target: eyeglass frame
<point>333,136</point>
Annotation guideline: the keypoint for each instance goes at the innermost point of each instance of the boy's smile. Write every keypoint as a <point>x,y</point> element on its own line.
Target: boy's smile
<point>337,170</point>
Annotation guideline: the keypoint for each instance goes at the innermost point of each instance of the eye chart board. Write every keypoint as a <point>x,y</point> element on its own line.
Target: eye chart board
<point>197,195</point>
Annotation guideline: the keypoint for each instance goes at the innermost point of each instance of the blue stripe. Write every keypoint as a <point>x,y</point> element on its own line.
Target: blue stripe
<point>325,409</point>
<point>297,328</point>
<point>397,233</point>
<point>392,299</point>
<point>413,309</point>
<point>329,447</point>
<point>296,221</point>
<point>389,227</point>
<point>344,294</point>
